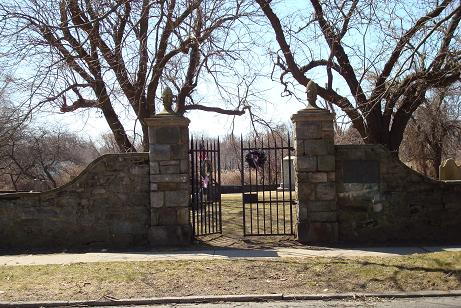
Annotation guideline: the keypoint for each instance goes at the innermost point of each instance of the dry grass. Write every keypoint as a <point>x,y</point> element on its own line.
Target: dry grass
<point>230,177</point>
<point>435,271</point>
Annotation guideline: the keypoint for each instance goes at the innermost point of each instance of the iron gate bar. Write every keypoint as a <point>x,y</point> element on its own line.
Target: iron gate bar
<point>219,183</point>
<point>257,194</point>
<point>289,183</point>
<point>270,193</point>
<point>206,217</point>
<point>276,180</point>
<point>254,205</point>
<point>242,184</point>
<point>192,165</point>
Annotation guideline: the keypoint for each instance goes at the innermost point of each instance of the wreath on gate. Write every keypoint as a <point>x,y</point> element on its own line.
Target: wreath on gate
<point>255,159</point>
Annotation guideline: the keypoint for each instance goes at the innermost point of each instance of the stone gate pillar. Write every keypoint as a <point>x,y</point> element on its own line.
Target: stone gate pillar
<point>169,177</point>
<point>315,173</point>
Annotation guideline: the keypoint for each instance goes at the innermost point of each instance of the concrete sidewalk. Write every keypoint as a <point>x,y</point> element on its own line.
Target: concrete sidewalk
<point>218,253</point>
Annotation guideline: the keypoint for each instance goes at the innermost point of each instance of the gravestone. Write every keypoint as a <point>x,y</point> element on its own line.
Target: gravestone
<point>287,170</point>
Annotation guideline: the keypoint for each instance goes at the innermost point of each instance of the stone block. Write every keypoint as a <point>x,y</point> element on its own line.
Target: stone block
<point>321,206</point>
<point>167,135</point>
<point>331,176</point>
<point>325,191</point>
<point>306,164</point>
<point>139,170</point>
<point>169,169</point>
<point>323,216</point>
<point>167,216</point>
<point>182,215</point>
<point>168,186</point>
<point>302,213</point>
<point>302,231</point>
<point>308,130</point>
<point>299,147</point>
<point>153,187</point>
<point>169,163</point>
<point>154,218</point>
<point>164,178</point>
<point>160,152</point>
<point>322,233</point>
<point>154,167</point>
<point>326,163</point>
<point>157,199</point>
<point>306,192</point>
<point>177,198</point>
<point>184,135</point>
<point>184,166</point>
<point>328,135</point>
<point>327,124</point>
<point>317,177</point>
<point>318,147</point>
<point>152,135</point>
<point>179,151</point>
<point>174,186</point>
<point>170,235</point>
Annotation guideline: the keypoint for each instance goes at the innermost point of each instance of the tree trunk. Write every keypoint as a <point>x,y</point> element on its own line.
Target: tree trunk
<point>120,136</point>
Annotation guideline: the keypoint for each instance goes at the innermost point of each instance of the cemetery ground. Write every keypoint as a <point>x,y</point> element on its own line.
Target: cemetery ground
<point>309,275</point>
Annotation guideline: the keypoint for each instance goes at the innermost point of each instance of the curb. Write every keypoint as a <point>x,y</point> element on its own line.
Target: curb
<point>230,298</point>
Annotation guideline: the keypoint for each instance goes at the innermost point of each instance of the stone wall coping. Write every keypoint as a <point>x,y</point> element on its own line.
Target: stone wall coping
<point>144,155</point>
<point>309,114</point>
<point>167,120</point>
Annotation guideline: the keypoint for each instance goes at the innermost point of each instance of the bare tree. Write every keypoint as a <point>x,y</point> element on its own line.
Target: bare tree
<point>433,133</point>
<point>48,156</point>
<point>388,55</point>
<point>12,117</point>
<point>117,54</point>
<point>106,144</point>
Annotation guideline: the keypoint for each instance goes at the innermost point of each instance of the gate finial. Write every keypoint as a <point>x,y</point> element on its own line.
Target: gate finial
<point>167,100</point>
<point>311,91</point>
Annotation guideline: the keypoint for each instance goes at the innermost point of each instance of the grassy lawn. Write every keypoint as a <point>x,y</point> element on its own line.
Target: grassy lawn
<point>232,226</point>
<point>435,271</point>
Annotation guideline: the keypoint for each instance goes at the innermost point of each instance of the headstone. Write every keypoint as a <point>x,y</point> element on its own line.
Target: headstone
<point>449,171</point>
<point>287,171</point>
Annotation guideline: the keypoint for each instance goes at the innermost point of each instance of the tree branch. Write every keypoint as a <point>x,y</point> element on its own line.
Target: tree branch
<point>216,109</point>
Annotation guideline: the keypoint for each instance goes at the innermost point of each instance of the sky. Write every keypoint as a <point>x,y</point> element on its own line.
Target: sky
<point>272,106</point>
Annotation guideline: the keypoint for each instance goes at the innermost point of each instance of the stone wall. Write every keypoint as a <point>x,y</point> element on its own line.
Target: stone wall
<point>380,200</point>
<point>107,205</point>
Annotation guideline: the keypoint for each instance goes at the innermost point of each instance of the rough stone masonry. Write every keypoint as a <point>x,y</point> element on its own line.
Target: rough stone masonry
<point>169,180</point>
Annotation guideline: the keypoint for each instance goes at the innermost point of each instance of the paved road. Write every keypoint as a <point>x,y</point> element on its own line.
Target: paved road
<point>221,253</point>
<point>427,302</point>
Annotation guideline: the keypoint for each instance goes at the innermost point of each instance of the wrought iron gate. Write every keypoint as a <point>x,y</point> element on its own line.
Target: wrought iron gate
<point>205,205</point>
<point>267,186</point>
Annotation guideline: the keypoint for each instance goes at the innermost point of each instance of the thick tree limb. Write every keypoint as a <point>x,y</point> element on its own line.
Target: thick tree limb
<point>216,109</point>
<point>78,104</point>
